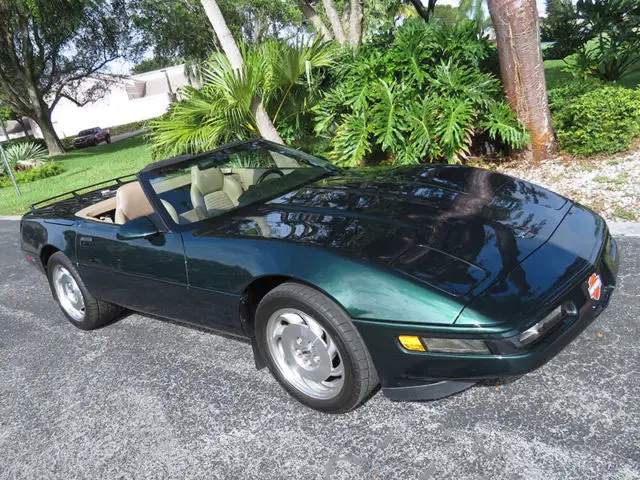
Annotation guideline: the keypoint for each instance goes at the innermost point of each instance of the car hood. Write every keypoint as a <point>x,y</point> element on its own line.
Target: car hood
<point>453,228</point>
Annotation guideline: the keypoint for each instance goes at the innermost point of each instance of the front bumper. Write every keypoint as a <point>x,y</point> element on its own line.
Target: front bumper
<point>83,143</point>
<point>409,375</point>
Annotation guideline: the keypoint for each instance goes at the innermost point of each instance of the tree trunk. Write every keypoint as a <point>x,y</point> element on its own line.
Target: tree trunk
<point>4,130</point>
<point>522,69</point>
<point>419,6</point>
<point>228,44</point>
<point>54,145</point>
<point>310,14</point>
<point>355,23</point>
<point>334,20</point>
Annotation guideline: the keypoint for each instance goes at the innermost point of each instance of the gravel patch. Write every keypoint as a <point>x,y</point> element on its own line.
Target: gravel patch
<point>610,185</point>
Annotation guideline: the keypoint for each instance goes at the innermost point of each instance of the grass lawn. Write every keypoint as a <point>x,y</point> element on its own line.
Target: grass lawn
<point>82,168</point>
<point>555,76</point>
<point>553,70</point>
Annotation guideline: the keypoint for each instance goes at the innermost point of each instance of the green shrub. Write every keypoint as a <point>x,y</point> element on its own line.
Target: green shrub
<point>568,92</point>
<point>47,170</point>
<point>17,141</point>
<point>425,94</point>
<point>599,121</point>
<point>67,143</point>
<point>128,127</point>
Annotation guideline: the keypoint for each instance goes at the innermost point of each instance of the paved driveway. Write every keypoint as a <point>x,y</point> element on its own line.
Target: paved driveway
<point>150,399</point>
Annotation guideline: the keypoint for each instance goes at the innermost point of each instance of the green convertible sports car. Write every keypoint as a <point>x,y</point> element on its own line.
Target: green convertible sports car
<point>422,280</point>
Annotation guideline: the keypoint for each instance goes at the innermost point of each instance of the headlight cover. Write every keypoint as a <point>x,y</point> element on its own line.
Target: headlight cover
<point>537,331</point>
<point>455,345</point>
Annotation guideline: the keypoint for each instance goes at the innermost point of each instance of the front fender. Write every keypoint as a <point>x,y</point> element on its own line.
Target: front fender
<point>364,290</point>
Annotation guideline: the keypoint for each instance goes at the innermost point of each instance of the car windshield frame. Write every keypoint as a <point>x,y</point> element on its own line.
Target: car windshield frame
<point>217,158</point>
<point>87,132</point>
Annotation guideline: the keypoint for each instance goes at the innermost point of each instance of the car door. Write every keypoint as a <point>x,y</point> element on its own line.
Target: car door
<point>216,277</point>
<point>145,274</point>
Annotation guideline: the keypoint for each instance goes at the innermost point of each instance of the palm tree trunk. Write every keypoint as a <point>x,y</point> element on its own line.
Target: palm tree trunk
<point>310,14</point>
<point>522,70</point>
<point>334,20</point>
<point>230,48</point>
<point>356,18</point>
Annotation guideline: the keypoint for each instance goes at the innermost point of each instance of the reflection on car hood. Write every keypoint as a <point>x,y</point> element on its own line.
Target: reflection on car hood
<point>453,228</point>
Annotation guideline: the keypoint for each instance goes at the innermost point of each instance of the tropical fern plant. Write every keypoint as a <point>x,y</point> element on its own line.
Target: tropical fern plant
<point>286,76</point>
<point>425,96</point>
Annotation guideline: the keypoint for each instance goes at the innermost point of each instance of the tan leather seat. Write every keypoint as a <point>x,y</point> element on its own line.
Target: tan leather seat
<point>131,203</point>
<point>212,192</point>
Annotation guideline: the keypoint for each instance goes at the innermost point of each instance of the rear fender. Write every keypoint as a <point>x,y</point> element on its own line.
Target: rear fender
<point>37,234</point>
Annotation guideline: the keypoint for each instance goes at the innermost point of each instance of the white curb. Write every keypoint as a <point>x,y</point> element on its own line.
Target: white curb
<point>10,217</point>
<point>624,229</point>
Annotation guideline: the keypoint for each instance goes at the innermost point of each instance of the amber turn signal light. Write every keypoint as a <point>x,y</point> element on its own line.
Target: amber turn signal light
<point>412,342</point>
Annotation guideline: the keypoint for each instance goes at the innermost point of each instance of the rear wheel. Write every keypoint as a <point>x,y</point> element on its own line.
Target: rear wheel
<point>78,305</point>
<point>313,349</point>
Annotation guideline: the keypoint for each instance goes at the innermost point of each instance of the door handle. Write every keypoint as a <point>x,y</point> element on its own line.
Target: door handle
<point>86,241</point>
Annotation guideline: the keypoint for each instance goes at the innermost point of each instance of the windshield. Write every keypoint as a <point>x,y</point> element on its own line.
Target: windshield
<point>211,184</point>
<point>87,132</point>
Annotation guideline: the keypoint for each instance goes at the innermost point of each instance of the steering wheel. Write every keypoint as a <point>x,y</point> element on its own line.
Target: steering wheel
<point>271,171</point>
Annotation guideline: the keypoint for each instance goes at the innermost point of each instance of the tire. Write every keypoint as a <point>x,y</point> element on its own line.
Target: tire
<point>108,139</point>
<point>87,312</point>
<point>297,328</point>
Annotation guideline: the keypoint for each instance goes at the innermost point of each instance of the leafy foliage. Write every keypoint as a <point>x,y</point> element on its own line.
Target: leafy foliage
<point>423,93</point>
<point>287,78</point>
<point>151,64</point>
<point>595,119</point>
<point>6,113</point>
<point>48,48</point>
<point>45,171</point>
<point>562,27</point>
<point>606,38</point>
<point>180,29</point>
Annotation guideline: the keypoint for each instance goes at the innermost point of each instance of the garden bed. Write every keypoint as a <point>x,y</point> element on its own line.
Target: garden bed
<point>608,185</point>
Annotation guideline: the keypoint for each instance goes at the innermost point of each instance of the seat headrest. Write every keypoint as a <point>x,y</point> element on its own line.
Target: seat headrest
<point>207,181</point>
<point>131,203</point>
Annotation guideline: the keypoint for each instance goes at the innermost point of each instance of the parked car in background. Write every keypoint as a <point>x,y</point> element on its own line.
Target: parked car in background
<point>422,279</point>
<point>92,137</point>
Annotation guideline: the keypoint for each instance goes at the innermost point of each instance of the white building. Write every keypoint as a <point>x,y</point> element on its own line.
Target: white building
<point>131,98</point>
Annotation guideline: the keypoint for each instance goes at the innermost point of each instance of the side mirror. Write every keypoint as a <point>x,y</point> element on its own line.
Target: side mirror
<point>141,227</point>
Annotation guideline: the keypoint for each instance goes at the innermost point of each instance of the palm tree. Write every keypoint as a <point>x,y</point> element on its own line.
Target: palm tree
<point>230,48</point>
<point>518,38</point>
<point>279,73</point>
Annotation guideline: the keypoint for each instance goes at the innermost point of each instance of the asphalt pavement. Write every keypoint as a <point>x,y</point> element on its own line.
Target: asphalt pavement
<point>145,398</point>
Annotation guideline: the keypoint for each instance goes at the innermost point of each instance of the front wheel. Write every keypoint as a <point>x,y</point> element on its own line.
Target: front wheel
<point>313,349</point>
<point>108,139</point>
<point>79,306</point>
